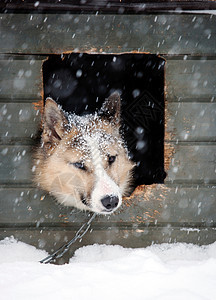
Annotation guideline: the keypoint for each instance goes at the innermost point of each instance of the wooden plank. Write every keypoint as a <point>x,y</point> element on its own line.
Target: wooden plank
<point>101,6</point>
<point>16,164</point>
<point>186,121</point>
<point>157,204</point>
<point>29,205</point>
<point>171,204</point>
<point>191,121</point>
<point>19,120</point>
<point>51,239</point>
<point>190,163</point>
<point>190,79</point>
<point>21,77</point>
<point>58,33</point>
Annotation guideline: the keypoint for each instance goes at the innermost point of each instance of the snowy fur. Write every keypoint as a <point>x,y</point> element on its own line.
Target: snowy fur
<point>104,184</point>
<point>73,160</point>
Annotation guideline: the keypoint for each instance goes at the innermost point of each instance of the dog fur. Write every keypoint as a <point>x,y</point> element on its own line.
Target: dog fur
<point>82,160</point>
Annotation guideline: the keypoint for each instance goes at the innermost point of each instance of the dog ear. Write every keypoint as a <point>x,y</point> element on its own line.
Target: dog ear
<point>111,108</point>
<point>54,122</point>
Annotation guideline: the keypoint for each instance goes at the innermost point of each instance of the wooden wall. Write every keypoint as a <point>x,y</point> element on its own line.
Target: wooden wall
<point>184,208</point>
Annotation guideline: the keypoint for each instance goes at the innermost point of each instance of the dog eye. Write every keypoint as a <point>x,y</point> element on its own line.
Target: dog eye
<point>79,165</point>
<point>111,159</point>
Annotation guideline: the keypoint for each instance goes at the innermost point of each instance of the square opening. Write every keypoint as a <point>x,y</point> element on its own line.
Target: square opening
<point>81,82</point>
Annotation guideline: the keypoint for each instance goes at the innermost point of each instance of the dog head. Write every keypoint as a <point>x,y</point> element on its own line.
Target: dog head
<point>82,160</point>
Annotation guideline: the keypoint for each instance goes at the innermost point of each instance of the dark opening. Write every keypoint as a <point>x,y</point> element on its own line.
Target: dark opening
<point>81,82</point>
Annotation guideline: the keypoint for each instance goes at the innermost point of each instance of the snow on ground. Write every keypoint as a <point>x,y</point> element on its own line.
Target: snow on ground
<point>164,272</point>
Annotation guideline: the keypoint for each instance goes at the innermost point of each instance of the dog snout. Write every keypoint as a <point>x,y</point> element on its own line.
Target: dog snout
<point>110,202</point>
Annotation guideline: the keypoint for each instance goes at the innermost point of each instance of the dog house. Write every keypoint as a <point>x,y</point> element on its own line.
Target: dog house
<point>174,94</point>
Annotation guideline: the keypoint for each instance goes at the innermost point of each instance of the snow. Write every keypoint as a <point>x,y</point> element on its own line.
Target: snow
<point>165,272</point>
<point>206,11</point>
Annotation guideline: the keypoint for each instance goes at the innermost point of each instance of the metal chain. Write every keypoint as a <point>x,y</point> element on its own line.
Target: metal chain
<point>63,249</point>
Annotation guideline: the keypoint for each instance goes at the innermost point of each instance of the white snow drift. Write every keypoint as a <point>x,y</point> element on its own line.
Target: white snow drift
<point>164,272</point>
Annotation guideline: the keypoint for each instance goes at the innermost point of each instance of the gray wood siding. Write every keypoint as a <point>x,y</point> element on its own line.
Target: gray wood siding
<point>53,33</point>
<point>21,120</point>
<point>191,79</point>
<point>173,204</point>
<point>156,213</point>
<point>20,77</point>
<point>193,121</point>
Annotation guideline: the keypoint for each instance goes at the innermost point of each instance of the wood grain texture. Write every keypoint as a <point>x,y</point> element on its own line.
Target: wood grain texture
<point>179,204</point>
<point>16,164</point>
<point>191,122</point>
<point>193,80</point>
<point>59,33</point>
<point>21,77</point>
<point>192,163</point>
<point>18,120</point>
<point>101,6</point>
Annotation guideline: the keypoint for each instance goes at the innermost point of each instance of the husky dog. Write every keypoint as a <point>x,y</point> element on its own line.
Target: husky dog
<point>82,160</point>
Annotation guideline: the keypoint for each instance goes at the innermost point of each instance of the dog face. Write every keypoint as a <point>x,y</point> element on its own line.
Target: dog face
<point>82,161</point>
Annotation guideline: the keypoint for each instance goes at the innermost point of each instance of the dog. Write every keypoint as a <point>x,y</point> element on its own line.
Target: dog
<point>82,160</point>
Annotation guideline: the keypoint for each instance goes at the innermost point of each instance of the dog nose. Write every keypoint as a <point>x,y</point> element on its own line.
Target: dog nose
<point>110,202</point>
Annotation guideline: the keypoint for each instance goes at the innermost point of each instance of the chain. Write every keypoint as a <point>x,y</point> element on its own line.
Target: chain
<point>63,249</point>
